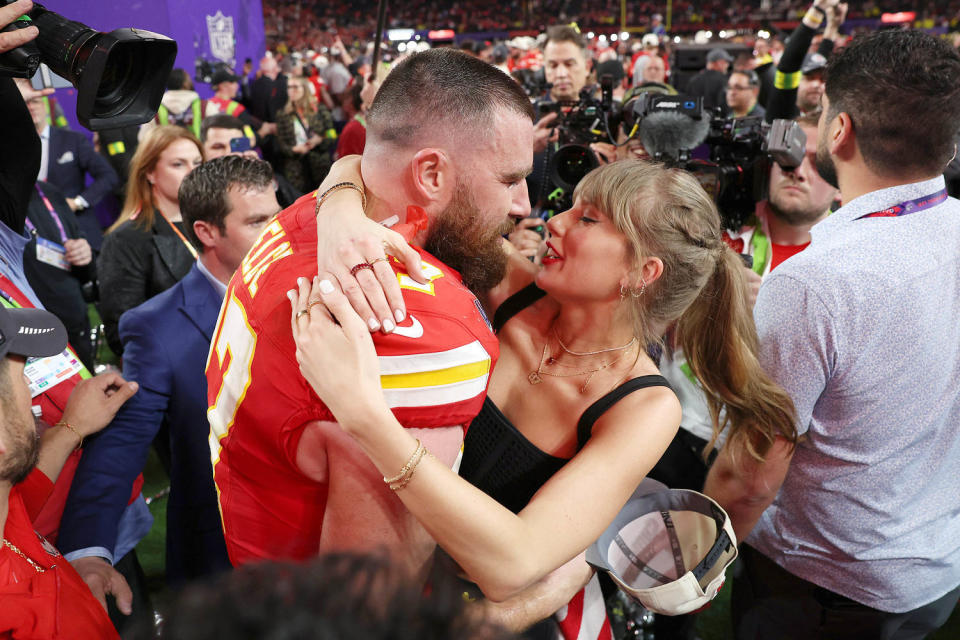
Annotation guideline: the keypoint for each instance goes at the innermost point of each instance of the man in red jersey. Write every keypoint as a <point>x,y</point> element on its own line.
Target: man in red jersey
<point>449,145</point>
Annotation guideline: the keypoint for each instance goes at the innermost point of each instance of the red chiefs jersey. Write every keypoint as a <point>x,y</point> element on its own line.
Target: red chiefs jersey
<point>434,372</point>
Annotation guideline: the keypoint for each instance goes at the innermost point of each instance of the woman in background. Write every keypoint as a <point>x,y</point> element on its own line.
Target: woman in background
<point>146,251</point>
<point>305,137</point>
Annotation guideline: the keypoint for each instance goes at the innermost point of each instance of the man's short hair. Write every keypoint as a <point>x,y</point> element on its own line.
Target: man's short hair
<point>442,87</point>
<point>564,33</point>
<point>219,121</point>
<point>901,90</point>
<point>203,193</point>
<point>179,79</point>
<point>752,78</point>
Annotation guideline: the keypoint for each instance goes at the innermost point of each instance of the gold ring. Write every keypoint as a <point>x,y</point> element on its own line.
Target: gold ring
<point>376,260</point>
<point>303,312</point>
<point>313,303</point>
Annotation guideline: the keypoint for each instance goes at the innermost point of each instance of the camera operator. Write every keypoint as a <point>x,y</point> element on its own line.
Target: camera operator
<point>565,67</point>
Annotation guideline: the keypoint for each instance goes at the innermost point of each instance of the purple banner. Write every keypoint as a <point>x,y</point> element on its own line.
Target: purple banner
<point>215,30</point>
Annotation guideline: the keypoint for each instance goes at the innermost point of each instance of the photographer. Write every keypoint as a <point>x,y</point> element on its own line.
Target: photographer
<point>569,137</point>
<point>565,67</point>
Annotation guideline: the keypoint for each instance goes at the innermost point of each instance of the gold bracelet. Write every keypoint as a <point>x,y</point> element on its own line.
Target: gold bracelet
<point>72,428</point>
<point>337,187</point>
<point>405,480</point>
<point>405,468</point>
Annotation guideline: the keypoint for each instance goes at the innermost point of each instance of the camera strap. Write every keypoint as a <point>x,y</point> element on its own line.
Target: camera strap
<point>911,206</point>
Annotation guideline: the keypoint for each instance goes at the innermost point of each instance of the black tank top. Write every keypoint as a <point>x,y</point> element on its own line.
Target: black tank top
<point>498,459</point>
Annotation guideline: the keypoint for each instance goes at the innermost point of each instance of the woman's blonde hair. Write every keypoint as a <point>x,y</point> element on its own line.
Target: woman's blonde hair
<point>702,292</point>
<point>139,199</point>
<point>307,103</point>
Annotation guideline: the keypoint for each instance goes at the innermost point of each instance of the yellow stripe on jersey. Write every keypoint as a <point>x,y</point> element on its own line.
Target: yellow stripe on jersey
<point>419,362</point>
<point>435,378</point>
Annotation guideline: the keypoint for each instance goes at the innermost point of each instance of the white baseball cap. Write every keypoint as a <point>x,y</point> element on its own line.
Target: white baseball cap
<point>667,548</point>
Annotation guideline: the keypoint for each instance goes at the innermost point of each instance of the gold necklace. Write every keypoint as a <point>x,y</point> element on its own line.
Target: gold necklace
<point>17,551</point>
<point>536,377</point>
<point>590,353</point>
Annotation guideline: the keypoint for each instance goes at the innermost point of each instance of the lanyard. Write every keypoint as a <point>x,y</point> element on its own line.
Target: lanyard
<point>911,206</point>
<point>183,238</point>
<point>9,300</point>
<point>53,214</point>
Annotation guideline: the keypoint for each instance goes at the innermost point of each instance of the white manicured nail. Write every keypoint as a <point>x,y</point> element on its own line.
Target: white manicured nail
<point>326,286</point>
<point>373,324</point>
<point>398,314</point>
<point>388,325</point>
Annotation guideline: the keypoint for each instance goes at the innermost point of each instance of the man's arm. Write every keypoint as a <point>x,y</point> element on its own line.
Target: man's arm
<point>542,599</point>
<point>745,487</point>
<point>104,177</point>
<point>111,462</point>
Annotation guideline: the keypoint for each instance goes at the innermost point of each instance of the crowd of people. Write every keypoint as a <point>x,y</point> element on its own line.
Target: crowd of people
<point>298,25</point>
<point>404,372</point>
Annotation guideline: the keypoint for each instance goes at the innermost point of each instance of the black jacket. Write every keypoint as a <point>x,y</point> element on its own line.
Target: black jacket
<point>136,264</point>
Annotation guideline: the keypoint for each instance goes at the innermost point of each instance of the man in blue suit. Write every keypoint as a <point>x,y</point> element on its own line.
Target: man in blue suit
<point>226,203</point>
<point>66,159</point>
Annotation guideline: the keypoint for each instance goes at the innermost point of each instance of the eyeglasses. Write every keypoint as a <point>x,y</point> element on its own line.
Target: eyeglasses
<point>738,88</point>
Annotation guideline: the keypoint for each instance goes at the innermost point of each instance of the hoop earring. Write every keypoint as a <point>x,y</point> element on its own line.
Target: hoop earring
<point>624,291</point>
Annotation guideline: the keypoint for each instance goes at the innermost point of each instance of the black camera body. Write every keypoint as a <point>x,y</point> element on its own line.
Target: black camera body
<point>579,124</point>
<point>741,150</point>
<point>120,76</point>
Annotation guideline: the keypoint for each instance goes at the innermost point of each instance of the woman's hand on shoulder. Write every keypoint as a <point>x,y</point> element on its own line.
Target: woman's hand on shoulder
<point>335,351</point>
<point>353,250</point>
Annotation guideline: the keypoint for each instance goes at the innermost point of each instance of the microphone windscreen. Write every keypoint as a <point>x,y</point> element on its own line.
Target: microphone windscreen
<point>666,133</point>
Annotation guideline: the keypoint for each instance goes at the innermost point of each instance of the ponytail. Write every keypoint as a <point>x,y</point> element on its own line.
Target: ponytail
<point>719,341</point>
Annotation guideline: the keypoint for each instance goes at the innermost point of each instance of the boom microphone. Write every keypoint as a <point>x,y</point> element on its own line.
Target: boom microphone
<point>665,134</point>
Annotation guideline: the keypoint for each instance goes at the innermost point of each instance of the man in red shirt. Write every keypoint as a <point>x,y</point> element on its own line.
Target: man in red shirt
<point>290,482</point>
<point>42,594</point>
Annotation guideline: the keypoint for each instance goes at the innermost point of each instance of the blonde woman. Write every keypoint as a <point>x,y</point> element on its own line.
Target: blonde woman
<point>305,137</point>
<point>576,413</point>
<point>146,251</point>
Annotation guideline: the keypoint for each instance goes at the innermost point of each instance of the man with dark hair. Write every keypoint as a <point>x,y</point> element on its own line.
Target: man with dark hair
<point>217,132</point>
<point>181,105</point>
<point>862,538</point>
<point>226,203</point>
<point>449,142</point>
<point>565,62</point>
<point>743,88</point>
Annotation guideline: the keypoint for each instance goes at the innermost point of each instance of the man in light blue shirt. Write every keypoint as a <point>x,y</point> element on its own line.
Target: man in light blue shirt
<point>857,528</point>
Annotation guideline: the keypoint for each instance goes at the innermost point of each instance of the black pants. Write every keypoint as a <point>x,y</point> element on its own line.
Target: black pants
<point>770,602</point>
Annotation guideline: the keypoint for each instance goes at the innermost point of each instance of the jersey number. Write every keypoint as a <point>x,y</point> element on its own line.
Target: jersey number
<point>228,371</point>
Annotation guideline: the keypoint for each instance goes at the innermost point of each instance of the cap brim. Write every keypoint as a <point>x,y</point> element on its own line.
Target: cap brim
<point>31,333</point>
<point>702,532</point>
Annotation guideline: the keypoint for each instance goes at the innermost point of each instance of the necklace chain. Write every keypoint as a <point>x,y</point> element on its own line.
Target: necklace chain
<point>535,376</point>
<point>17,551</point>
<point>591,353</point>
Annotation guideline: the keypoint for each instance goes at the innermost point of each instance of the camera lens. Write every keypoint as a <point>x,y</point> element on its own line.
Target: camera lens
<point>570,164</point>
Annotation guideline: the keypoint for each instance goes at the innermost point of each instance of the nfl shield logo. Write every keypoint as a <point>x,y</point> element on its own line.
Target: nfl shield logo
<point>222,41</point>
